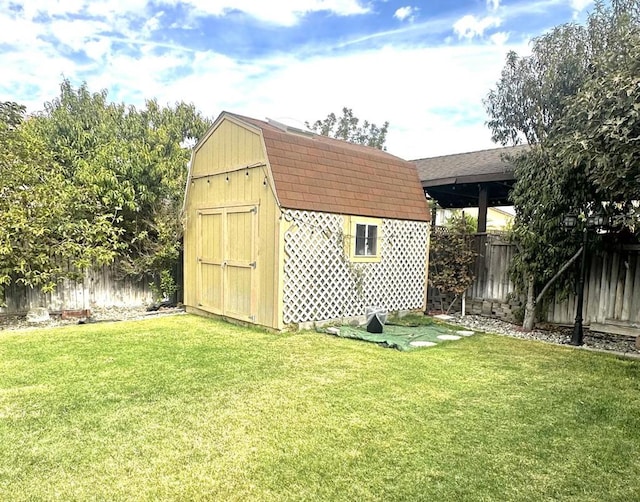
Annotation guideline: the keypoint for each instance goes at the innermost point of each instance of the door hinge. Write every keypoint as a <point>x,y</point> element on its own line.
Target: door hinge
<point>254,209</point>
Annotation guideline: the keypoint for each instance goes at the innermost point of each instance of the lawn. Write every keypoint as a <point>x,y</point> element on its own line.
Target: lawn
<point>185,408</point>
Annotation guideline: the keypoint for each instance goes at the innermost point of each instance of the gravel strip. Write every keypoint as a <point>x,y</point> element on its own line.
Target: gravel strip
<point>98,314</point>
<point>558,335</point>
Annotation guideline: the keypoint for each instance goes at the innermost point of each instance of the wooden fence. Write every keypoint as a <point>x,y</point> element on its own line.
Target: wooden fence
<point>100,287</point>
<point>492,268</point>
<point>611,295</point>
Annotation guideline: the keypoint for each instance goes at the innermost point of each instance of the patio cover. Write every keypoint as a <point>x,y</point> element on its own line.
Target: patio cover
<point>479,179</point>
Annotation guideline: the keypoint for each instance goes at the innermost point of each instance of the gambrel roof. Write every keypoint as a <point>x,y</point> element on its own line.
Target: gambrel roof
<point>317,173</point>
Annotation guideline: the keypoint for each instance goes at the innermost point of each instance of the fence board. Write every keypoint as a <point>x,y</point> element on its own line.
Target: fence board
<point>635,298</point>
<point>100,287</point>
<point>612,284</point>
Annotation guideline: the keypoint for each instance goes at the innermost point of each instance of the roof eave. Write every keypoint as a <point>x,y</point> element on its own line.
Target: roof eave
<point>472,178</point>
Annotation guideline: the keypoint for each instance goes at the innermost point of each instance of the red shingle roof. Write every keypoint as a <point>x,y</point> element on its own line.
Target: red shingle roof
<point>317,173</point>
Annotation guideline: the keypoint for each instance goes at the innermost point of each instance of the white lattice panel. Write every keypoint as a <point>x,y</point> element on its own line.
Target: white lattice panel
<point>321,284</point>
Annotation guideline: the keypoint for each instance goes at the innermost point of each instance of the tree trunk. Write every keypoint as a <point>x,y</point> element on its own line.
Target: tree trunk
<point>530,307</point>
<point>451,305</point>
<point>558,274</point>
<point>532,300</point>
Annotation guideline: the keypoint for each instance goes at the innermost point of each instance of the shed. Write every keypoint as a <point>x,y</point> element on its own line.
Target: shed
<point>285,227</point>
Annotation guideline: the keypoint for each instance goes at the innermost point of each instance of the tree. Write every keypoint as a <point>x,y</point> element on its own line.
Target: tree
<point>599,133</point>
<point>451,257</point>
<point>43,238</point>
<point>528,99</point>
<point>532,91</point>
<point>159,140</point>
<point>347,128</point>
<point>541,197</point>
<point>131,163</point>
<point>120,174</point>
<point>538,99</point>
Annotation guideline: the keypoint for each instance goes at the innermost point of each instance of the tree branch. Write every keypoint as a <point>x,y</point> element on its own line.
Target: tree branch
<point>559,273</point>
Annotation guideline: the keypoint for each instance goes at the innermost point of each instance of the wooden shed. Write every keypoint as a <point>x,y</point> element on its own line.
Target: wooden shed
<point>285,227</point>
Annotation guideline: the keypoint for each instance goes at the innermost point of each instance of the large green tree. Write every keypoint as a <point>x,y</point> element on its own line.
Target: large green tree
<point>115,174</point>
<point>348,127</point>
<point>44,232</point>
<point>599,133</point>
<point>539,99</point>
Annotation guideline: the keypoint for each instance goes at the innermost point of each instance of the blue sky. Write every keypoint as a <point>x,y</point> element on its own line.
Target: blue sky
<point>424,66</point>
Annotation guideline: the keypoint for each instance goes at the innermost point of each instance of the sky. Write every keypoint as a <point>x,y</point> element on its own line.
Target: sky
<point>424,66</point>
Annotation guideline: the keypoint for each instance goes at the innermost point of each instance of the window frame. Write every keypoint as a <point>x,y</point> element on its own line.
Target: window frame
<point>351,242</point>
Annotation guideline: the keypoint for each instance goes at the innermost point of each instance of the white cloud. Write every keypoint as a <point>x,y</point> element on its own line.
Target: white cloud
<point>152,24</point>
<point>97,49</point>
<point>277,12</point>
<point>471,26</point>
<point>431,112</point>
<point>493,4</point>
<point>18,31</point>
<point>58,8</point>
<point>32,8</point>
<point>432,96</point>
<point>116,8</point>
<point>580,5</point>
<point>75,34</point>
<point>407,13</point>
<point>499,38</point>
<point>284,13</point>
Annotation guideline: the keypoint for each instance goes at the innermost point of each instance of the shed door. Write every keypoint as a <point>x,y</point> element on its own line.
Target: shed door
<point>227,261</point>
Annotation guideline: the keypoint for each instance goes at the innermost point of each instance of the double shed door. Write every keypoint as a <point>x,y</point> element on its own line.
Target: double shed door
<point>227,260</point>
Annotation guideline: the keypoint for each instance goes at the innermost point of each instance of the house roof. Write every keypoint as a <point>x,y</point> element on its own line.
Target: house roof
<point>483,165</point>
<point>454,180</point>
<point>317,173</point>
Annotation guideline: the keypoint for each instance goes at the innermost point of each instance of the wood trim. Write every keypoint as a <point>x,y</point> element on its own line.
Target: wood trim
<point>230,205</point>
<point>426,270</point>
<point>280,256</point>
<point>350,223</point>
<point>232,170</point>
<point>615,328</point>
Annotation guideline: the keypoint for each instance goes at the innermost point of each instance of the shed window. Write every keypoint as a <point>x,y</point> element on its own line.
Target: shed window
<point>366,240</point>
<point>363,237</point>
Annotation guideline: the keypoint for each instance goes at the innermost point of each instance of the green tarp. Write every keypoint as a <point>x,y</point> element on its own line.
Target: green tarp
<point>401,337</point>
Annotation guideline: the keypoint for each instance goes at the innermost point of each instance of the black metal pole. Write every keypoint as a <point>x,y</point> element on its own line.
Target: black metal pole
<point>576,338</point>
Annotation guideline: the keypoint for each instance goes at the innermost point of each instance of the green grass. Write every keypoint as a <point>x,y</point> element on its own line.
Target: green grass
<point>185,408</point>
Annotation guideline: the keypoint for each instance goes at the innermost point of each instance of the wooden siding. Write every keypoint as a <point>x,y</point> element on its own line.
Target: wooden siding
<point>219,180</point>
<point>229,146</point>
